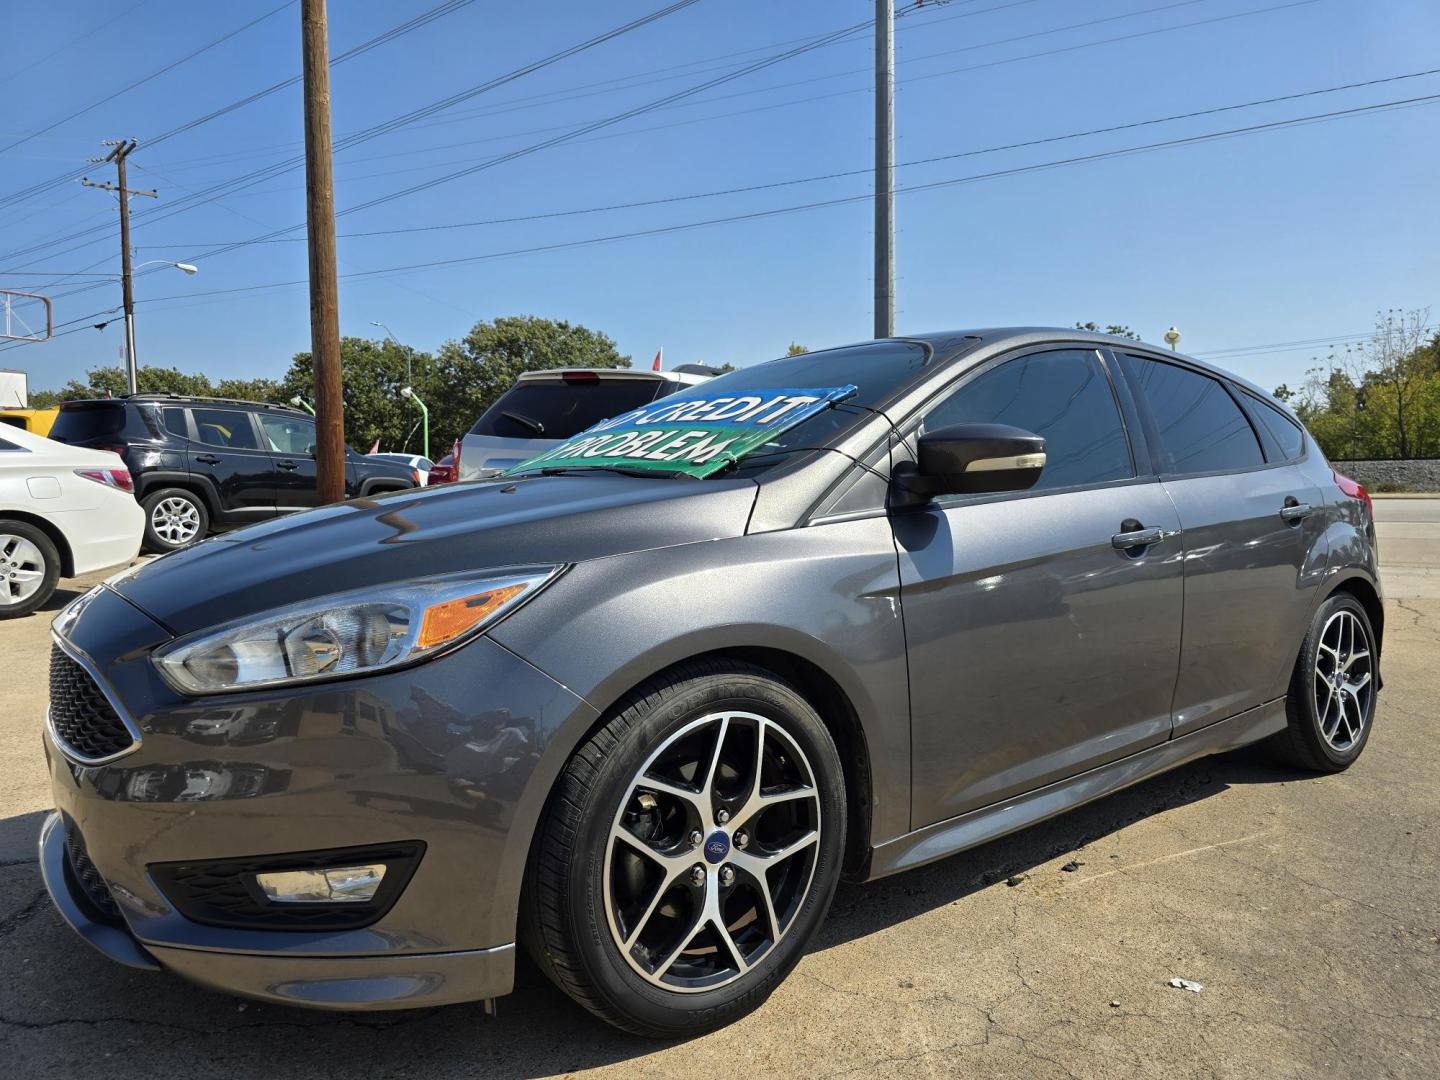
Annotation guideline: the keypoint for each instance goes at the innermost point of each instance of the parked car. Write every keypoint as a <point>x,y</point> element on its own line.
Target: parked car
<point>418,464</point>
<point>642,711</point>
<point>205,464</point>
<point>63,512</point>
<point>443,471</point>
<point>544,408</point>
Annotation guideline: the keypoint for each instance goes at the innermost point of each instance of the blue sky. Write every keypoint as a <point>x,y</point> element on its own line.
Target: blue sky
<point>1287,235</point>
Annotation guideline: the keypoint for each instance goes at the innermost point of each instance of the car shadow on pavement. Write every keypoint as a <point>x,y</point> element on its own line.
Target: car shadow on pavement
<point>61,1004</point>
<point>862,909</point>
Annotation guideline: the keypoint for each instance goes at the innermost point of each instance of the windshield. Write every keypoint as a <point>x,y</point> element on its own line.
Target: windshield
<point>809,400</point>
<point>558,409</point>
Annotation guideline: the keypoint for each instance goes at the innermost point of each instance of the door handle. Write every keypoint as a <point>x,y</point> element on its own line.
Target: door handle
<point>287,465</point>
<point>1136,538</point>
<point>207,459</point>
<point>1293,510</point>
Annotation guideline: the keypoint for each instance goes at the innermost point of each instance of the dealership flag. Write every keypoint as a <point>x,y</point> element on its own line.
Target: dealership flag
<point>656,366</point>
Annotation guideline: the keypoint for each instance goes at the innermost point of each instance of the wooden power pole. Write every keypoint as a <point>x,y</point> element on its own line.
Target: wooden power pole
<point>324,287</point>
<point>122,148</point>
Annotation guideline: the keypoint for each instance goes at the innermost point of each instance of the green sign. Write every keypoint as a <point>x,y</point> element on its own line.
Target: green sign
<point>698,435</point>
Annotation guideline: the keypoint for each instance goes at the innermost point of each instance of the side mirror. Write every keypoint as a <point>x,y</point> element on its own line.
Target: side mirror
<point>970,459</point>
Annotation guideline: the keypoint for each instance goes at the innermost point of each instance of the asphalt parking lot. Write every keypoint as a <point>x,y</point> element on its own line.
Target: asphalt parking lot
<point>1307,908</point>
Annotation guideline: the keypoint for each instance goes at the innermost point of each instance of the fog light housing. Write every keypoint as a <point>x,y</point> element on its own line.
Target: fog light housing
<point>328,885</point>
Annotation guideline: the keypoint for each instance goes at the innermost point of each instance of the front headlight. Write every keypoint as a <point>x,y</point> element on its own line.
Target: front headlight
<point>353,633</point>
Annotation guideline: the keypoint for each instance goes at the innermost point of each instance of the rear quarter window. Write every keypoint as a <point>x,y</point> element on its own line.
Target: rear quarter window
<point>1287,434</point>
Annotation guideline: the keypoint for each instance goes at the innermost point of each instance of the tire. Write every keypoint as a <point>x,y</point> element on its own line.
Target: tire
<point>174,518</point>
<point>592,882</point>
<point>29,568</point>
<point>1329,719</point>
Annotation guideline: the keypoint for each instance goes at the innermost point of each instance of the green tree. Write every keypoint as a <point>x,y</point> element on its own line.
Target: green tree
<point>372,374</point>
<point>1114,330</point>
<point>796,349</point>
<point>471,373</point>
<point>110,381</point>
<point>1379,399</point>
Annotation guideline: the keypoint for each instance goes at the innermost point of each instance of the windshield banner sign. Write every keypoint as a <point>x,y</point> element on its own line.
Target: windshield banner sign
<point>693,435</point>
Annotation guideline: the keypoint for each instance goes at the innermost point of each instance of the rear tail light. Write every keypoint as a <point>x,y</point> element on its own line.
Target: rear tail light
<point>415,475</point>
<point>579,376</point>
<point>116,478</point>
<point>455,460</point>
<point>113,448</point>
<point>1355,490</point>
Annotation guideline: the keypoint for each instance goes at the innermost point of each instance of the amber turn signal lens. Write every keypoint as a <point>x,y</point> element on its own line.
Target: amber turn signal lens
<point>447,621</point>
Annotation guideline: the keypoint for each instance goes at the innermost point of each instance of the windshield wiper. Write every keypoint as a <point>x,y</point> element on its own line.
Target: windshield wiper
<point>622,470</point>
<point>524,421</point>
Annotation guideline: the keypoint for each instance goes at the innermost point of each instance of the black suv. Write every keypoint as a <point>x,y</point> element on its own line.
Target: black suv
<point>204,464</point>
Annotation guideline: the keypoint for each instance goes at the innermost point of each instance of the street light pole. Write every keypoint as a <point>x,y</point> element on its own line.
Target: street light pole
<point>407,392</point>
<point>409,375</point>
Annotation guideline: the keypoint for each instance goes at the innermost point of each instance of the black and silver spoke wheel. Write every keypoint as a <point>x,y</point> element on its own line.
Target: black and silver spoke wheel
<point>1343,680</point>
<point>175,520</point>
<point>712,851</point>
<point>689,851</point>
<point>1330,709</point>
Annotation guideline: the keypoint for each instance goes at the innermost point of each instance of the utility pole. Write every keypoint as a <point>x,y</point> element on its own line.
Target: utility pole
<point>121,149</point>
<point>884,168</point>
<point>320,231</point>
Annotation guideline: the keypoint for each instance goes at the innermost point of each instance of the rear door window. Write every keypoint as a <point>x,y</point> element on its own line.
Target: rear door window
<point>556,409</point>
<point>1200,426</point>
<point>225,427</point>
<point>82,423</point>
<point>289,434</point>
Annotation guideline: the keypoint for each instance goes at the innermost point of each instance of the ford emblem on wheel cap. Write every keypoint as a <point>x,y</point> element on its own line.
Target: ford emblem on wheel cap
<point>717,847</point>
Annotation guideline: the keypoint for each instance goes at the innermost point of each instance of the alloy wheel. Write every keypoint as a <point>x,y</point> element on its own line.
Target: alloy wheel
<point>712,852</point>
<point>22,569</point>
<point>1343,686</point>
<point>175,520</point>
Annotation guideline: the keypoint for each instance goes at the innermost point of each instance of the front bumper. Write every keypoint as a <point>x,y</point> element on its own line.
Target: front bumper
<point>343,982</point>
<point>450,753</point>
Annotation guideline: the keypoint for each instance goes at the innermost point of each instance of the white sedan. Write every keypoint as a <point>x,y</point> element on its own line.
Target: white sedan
<point>64,511</point>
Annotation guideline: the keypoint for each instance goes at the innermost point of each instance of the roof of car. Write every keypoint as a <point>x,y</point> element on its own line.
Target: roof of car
<point>949,341</point>
<point>187,399</point>
<point>685,378</point>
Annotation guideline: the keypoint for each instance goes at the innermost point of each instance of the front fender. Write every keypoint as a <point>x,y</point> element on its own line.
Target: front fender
<point>827,594</point>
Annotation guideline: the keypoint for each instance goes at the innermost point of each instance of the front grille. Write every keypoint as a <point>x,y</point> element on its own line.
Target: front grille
<point>85,723</point>
<point>223,892</point>
<point>83,873</point>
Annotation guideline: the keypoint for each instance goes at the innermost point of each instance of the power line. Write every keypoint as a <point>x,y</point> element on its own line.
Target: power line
<point>395,32</point>
<point>11,76</point>
<point>843,174</point>
<point>239,183</point>
<point>153,75</point>
<point>819,204</point>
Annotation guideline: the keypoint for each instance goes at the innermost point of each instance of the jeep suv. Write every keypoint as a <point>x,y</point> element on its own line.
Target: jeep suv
<point>205,464</point>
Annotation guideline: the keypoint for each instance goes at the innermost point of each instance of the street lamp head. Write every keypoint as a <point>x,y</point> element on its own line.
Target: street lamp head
<point>406,392</point>
<point>297,401</point>
<point>1172,337</point>
<point>189,268</point>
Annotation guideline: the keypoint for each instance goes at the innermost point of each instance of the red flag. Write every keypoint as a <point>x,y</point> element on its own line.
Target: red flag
<point>375,447</point>
<point>656,366</point>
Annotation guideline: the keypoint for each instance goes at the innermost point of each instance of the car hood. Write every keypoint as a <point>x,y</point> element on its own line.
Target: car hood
<point>429,531</point>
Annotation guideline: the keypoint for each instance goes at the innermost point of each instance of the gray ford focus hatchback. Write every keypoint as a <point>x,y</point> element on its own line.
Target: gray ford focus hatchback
<point>638,704</point>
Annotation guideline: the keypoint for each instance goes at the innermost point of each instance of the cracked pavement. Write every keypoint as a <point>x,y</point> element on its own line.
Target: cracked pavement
<point>1306,906</point>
